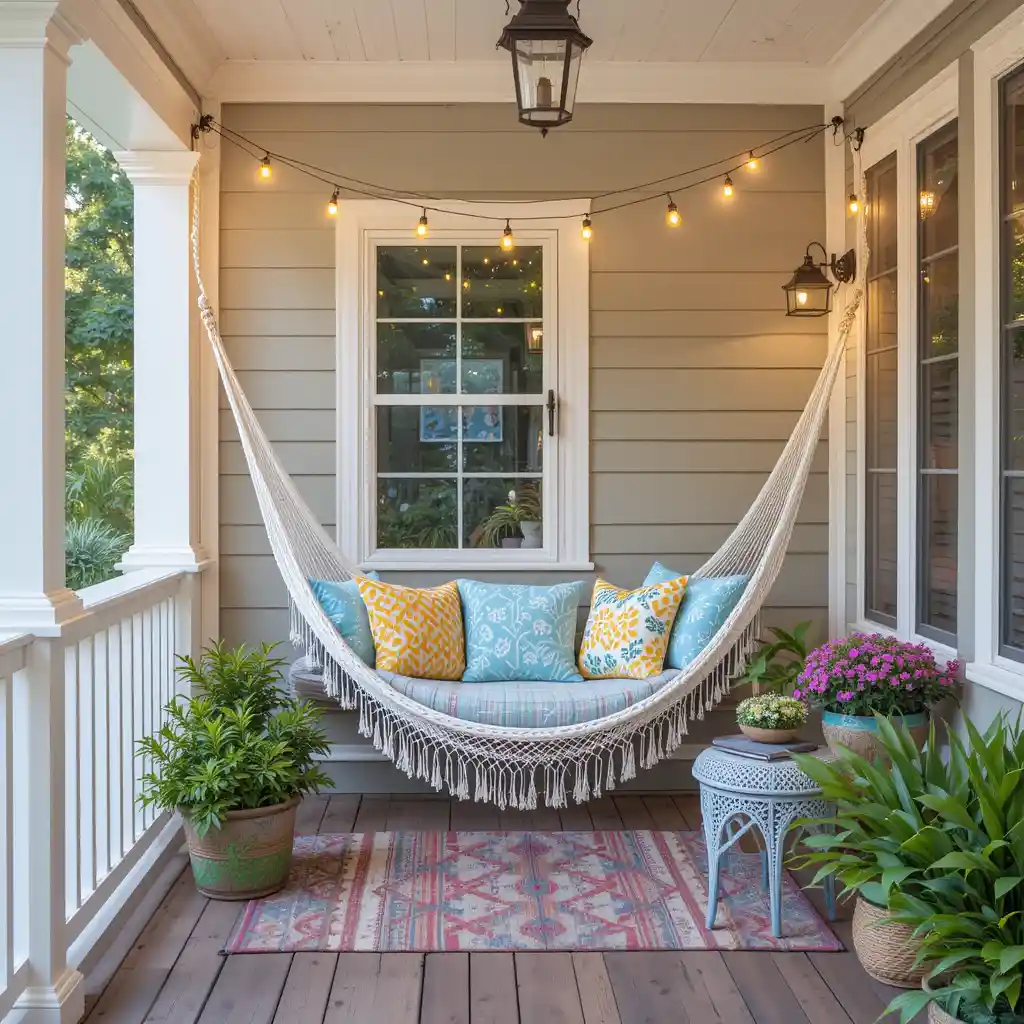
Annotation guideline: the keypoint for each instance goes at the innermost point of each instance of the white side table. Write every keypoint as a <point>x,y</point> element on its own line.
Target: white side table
<point>739,793</point>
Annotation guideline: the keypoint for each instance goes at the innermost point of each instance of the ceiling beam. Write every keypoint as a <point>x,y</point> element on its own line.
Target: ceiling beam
<point>491,82</point>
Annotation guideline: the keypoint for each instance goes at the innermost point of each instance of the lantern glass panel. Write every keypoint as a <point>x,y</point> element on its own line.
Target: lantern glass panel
<point>542,68</point>
<point>808,299</point>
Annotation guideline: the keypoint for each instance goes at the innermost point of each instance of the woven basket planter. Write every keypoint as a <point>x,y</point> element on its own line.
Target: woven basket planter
<point>859,733</point>
<point>886,950</point>
<point>248,856</point>
<point>937,1015</point>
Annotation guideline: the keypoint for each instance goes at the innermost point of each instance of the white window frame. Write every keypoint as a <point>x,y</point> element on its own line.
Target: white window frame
<point>900,131</point>
<point>362,224</point>
<point>996,54</point>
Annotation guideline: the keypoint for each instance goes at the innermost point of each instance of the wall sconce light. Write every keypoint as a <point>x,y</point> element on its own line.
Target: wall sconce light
<point>809,292</point>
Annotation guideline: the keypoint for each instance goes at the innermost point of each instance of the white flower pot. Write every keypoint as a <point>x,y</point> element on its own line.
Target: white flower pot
<point>532,534</point>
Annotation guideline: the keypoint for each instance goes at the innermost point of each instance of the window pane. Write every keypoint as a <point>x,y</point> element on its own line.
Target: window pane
<point>482,501</point>
<point>416,359</point>
<point>417,439</point>
<point>1014,272</point>
<point>1013,135</point>
<point>940,306</point>
<point>880,537</point>
<point>938,552</point>
<point>937,186</point>
<point>1013,564</point>
<point>417,514</point>
<point>502,359</point>
<point>416,281</point>
<point>503,439</point>
<point>1013,400</point>
<point>880,409</point>
<point>881,215</point>
<point>939,400</point>
<point>496,283</point>
<point>882,310</point>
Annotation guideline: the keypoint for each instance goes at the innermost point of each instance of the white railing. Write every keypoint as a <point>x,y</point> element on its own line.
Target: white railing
<point>89,695</point>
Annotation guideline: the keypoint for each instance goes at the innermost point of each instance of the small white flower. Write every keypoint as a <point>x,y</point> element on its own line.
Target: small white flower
<point>404,507</point>
<point>511,497</point>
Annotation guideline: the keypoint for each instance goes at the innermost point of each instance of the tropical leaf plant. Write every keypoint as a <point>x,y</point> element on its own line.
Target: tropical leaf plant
<point>776,664</point>
<point>237,743</point>
<point>506,520</point>
<point>92,549</point>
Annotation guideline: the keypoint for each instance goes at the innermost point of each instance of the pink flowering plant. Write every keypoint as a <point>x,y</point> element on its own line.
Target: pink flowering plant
<point>863,674</point>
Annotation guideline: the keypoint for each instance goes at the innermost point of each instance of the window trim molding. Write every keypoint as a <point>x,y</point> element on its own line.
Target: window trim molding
<point>900,131</point>
<point>354,385</point>
<point>996,54</point>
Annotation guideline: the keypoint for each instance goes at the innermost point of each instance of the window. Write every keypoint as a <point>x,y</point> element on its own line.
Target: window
<point>880,397</point>
<point>1011,468</point>
<point>938,383</point>
<point>463,372</point>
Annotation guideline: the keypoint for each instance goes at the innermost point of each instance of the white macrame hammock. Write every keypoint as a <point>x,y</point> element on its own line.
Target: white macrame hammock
<point>505,765</point>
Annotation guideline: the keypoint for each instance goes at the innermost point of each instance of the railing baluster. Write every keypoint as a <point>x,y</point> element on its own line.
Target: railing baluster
<point>101,757</point>
<point>86,779</point>
<point>138,718</point>
<point>72,793</point>
<point>114,746</point>
<point>127,739</point>
<point>6,835</point>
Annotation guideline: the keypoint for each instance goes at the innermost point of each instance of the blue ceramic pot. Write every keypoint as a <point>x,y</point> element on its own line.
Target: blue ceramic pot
<point>859,733</point>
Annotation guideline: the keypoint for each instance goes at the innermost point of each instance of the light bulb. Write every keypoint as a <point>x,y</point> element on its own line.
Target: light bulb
<point>587,230</point>
<point>727,189</point>
<point>447,275</point>
<point>265,168</point>
<point>332,206</point>
<point>752,161</point>
<point>801,298</point>
<point>673,215</point>
<point>465,284</point>
<point>854,204</point>
<point>508,240</point>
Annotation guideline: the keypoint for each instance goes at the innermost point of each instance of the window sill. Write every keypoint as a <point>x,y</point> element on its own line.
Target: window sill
<point>388,563</point>
<point>996,676</point>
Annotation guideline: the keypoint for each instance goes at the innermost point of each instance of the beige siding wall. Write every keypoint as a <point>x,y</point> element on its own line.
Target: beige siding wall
<point>697,377</point>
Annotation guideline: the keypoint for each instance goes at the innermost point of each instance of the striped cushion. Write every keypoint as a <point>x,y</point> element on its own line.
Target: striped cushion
<point>524,705</point>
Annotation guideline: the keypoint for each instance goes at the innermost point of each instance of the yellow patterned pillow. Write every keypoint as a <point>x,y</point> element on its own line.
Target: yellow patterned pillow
<point>627,631</point>
<point>416,632</point>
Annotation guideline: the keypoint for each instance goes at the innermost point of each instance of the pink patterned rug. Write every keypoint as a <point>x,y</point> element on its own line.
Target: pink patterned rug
<point>490,891</point>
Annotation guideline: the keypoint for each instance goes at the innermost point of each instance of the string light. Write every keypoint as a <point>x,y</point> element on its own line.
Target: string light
<point>508,240</point>
<point>752,161</point>
<point>854,204</point>
<point>265,169</point>
<point>727,189</point>
<point>332,206</point>
<point>672,215</point>
<point>421,228</point>
<point>587,230</point>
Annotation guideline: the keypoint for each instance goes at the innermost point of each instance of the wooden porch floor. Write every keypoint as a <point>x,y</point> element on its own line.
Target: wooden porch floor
<point>174,973</point>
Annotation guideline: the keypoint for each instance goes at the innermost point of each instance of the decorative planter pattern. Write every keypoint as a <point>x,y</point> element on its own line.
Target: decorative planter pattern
<point>859,733</point>
<point>886,949</point>
<point>248,856</point>
<point>753,732</point>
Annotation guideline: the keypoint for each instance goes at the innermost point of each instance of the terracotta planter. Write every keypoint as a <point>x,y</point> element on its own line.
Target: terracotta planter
<point>859,733</point>
<point>753,732</point>
<point>248,856</point>
<point>886,949</point>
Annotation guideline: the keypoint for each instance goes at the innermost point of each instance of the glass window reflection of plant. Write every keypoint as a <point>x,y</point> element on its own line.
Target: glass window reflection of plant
<point>455,324</point>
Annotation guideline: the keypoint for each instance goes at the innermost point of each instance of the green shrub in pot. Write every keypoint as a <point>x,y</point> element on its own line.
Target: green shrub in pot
<point>235,757</point>
<point>969,910</point>
<point>880,841</point>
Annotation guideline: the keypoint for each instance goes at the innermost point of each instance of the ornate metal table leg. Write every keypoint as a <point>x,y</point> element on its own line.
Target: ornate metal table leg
<point>712,841</point>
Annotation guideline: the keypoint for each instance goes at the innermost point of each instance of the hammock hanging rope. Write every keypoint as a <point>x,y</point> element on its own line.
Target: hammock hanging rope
<point>509,766</point>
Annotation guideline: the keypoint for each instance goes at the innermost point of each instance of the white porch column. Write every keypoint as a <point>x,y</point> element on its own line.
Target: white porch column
<point>166,365</point>
<point>34,43</point>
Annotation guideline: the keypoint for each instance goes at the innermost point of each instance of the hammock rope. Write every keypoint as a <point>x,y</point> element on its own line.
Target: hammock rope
<point>508,766</point>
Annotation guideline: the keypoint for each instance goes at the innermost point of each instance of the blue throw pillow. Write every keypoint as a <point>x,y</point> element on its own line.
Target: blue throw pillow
<point>707,604</point>
<point>518,632</point>
<point>345,609</point>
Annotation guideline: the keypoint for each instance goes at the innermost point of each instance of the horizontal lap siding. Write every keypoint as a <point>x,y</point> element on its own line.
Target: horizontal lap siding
<point>697,378</point>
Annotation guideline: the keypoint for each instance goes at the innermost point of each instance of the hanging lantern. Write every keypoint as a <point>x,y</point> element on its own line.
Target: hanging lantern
<point>547,47</point>
<point>809,292</point>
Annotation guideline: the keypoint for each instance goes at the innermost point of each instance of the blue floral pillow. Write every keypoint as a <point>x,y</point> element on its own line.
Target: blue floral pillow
<point>516,632</point>
<point>345,609</point>
<point>707,604</point>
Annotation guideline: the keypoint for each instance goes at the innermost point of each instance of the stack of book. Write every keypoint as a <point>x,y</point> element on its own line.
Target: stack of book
<point>762,751</point>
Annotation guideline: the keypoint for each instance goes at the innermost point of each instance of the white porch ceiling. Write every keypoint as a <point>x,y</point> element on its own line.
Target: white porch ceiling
<point>797,31</point>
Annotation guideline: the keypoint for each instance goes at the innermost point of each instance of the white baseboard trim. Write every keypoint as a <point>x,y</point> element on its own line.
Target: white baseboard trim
<point>344,753</point>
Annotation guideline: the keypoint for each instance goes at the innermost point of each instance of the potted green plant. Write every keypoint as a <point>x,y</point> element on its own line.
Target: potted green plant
<point>513,524</point>
<point>235,758</point>
<point>878,843</point>
<point>858,678</point>
<point>969,914</point>
<point>771,718</point>
<point>776,664</point>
